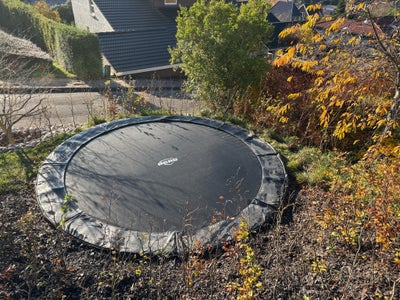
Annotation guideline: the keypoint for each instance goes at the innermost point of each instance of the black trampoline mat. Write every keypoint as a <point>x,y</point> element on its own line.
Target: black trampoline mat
<point>160,184</point>
<point>163,176</point>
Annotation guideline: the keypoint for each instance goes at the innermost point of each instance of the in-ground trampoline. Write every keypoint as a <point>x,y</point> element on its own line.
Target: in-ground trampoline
<point>160,184</point>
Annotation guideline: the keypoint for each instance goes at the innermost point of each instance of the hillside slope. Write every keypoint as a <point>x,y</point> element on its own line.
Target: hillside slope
<point>12,45</point>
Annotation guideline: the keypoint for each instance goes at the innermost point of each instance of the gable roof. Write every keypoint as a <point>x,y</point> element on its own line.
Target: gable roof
<point>285,11</point>
<point>272,19</point>
<point>129,15</point>
<point>283,15</point>
<point>134,35</point>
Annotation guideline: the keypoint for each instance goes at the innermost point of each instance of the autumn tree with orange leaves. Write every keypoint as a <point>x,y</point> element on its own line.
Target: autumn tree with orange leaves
<point>352,98</point>
<point>356,78</point>
<point>44,9</point>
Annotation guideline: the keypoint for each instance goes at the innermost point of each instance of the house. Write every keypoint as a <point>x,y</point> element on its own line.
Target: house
<point>329,9</point>
<point>352,27</point>
<point>285,12</point>
<point>283,15</point>
<point>134,35</point>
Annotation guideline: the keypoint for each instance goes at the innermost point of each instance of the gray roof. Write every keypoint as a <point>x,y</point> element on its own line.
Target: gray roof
<point>126,15</point>
<point>285,11</point>
<point>141,38</point>
<point>132,52</point>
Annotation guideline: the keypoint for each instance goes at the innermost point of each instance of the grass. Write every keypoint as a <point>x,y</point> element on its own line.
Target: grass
<point>305,165</point>
<point>59,72</point>
<point>308,257</point>
<point>56,71</point>
<point>19,168</point>
<point>310,165</point>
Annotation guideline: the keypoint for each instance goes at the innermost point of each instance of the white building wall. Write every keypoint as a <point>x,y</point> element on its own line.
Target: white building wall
<point>88,16</point>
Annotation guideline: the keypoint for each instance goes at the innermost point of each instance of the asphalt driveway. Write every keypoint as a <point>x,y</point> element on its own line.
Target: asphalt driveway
<point>77,108</point>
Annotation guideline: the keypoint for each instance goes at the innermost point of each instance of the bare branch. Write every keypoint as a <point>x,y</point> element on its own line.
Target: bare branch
<point>393,58</point>
<point>15,70</point>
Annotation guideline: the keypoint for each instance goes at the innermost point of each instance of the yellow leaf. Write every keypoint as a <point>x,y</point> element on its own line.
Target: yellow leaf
<point>351,41</point>
<point>293,96</point>
<point>381,123</point>
<point>291,52</point>
<point>318,81</point>
<point>289,79</point>
<point>317,38</point>
<point>323,118</point>
<point>284,109</point>
<point>350,80</point>
<point>281,61</point>
<point>283,120</point>
<point>397,261</point>
<point>314,7</point>
<point>360,6</point>
<point>335,26</point>
<point>288,31</point>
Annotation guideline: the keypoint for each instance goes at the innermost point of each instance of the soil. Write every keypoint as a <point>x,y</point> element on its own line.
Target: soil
<point>39,261</point>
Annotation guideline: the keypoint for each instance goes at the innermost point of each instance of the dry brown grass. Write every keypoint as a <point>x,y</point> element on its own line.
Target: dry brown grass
<point>37,260</point>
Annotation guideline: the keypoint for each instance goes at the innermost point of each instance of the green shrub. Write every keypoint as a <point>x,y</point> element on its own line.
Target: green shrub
<point>65,11</point>
<point>96,120</point>
<point>74,50</point>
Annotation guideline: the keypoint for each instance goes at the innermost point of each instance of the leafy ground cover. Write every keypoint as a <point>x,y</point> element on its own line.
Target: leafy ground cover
<point>336,235</point>
<point>326,243</point>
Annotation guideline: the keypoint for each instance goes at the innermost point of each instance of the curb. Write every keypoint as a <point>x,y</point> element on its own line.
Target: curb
<point>76,86</point>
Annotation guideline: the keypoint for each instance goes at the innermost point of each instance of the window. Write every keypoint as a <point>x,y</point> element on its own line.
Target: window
<point>91,6</point>
<point>170,2</point>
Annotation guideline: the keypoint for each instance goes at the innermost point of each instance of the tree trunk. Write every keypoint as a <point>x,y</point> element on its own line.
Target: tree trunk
<point>7,130</point>
<point>393,114</point>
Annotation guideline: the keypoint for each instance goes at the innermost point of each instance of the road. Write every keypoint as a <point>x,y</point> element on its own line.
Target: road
<point>78,108</point>
<point>63,109</point>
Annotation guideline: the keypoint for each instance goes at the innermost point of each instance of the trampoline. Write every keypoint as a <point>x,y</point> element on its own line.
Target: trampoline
<point>160,184</point>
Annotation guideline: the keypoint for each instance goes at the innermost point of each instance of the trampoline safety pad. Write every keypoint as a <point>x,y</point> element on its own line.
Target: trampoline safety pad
<point>160,184</point>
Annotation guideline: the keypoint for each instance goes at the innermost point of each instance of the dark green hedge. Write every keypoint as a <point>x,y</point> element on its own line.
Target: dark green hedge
<point>75,50</point>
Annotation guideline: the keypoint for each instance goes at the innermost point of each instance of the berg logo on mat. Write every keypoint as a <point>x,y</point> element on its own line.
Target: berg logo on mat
<point>167,161</point>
